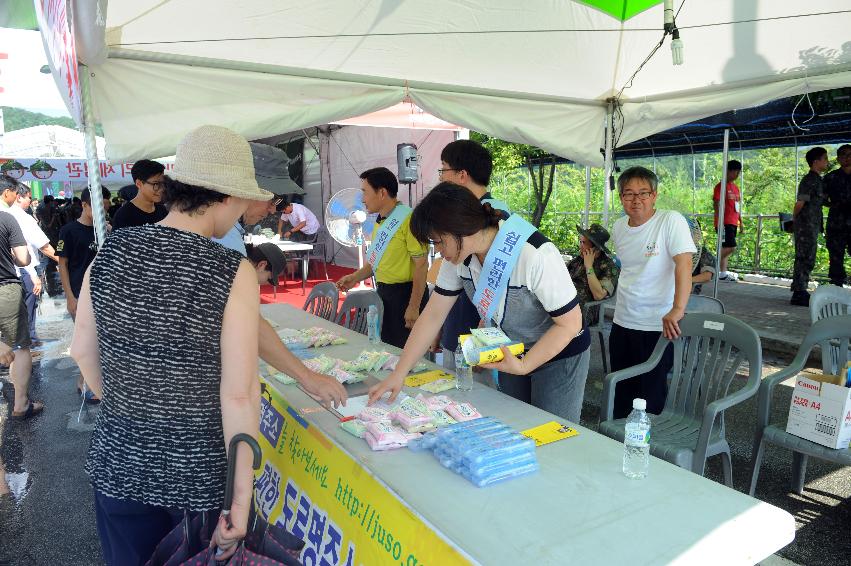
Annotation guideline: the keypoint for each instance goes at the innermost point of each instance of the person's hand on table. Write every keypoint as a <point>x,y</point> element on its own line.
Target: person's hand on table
<point>412,313</point>
<point>346,283</point>
<point>671,323</point>
<point>325,389</point>
<point>287,234</point>
<point>509,364</point>
<point>392,383</point>
<point>7,355</point>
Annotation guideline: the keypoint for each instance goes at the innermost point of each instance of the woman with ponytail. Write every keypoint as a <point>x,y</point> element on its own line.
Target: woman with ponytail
<point>518,281</point>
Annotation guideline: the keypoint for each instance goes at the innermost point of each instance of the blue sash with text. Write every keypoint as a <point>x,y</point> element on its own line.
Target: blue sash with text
<point>499,263</point>
<point>385,234</point>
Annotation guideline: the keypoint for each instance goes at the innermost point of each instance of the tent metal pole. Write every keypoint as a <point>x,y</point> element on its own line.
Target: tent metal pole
<point>797,172</point>
<point>585,216</point>
<point>722,197</point>
<point>607,193</point>
<point>98,213</point>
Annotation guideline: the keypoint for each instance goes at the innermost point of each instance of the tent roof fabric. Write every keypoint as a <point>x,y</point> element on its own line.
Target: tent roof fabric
<point>538,74</point>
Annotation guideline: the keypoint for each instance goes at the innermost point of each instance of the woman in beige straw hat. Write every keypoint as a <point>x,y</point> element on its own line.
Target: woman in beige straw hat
<point>166,335</point>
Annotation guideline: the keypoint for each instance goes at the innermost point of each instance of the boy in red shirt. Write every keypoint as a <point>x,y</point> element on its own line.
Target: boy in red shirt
<point>732,216</point>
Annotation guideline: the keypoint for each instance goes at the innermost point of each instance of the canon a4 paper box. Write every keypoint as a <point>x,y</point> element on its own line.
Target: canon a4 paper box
<point>820,412</point>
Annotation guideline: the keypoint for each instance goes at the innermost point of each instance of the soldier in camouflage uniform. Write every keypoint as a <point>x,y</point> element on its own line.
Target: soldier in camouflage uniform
<point>837,194</point>
<point>594,271</point>
<point>808,224</point>
<point>703,263</point>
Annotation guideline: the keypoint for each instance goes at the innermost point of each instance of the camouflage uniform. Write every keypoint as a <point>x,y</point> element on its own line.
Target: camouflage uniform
<point>705,262</point>
<point>837,195</point>
<point>607,274</point>
<point>807,226</point>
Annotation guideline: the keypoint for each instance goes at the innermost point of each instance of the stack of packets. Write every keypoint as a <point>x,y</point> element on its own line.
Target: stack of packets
<point>344,371</point>
<point>482,345</point>
<point>314,337</point>
<point>385,426</point>
<point>484,450</point>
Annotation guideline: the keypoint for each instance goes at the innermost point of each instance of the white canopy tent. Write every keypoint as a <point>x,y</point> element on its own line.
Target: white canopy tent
<point>535,73</point>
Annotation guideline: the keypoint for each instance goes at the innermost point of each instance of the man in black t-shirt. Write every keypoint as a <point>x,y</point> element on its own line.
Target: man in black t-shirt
<point>14,326</point>
<point>76,250</point>
<point>145,208</point>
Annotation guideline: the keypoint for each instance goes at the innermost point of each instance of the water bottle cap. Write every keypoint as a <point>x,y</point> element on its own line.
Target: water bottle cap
<point>639,404</point>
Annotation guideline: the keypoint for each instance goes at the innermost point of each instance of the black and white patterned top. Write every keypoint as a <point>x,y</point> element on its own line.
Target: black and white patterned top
<point>159,296</point>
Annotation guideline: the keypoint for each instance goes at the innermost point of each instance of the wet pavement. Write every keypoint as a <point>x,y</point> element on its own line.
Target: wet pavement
<point>46,503</point>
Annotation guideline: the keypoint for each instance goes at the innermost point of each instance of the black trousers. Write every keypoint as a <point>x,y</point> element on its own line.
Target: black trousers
<point>629,348</point>
<point>396,297</point>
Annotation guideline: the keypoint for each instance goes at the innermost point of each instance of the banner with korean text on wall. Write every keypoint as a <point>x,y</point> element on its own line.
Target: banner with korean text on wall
<point>321,494</point>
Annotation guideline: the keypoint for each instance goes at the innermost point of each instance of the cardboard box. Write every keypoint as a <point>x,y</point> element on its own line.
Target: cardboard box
<point>820,412</point>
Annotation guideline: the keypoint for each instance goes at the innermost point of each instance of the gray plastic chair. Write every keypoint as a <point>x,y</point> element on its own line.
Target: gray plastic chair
<point>700,303</point>
<point>353,311</point>
<point>323,300</point>
<point>318,251</point>
<point>827,301</point>
<point>596,324</point>
<point>832,328</point>
<point>690,428</point>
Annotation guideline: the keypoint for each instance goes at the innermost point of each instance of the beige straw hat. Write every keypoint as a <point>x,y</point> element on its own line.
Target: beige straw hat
<point>218,159</point>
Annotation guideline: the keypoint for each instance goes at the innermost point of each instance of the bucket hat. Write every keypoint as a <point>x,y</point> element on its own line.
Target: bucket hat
<point>598,236</point>
<point>218,159</point>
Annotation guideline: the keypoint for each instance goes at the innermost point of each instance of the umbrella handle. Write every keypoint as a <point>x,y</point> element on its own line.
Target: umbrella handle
<point>255,448</point>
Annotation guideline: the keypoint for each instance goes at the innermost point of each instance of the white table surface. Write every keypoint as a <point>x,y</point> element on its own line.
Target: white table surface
<point>579,509</point>
<point>284,245</point>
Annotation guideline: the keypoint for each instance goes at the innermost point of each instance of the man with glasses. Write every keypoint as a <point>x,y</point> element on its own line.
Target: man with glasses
<point>655,248</point>
<point>145,208</point>
<point>468,164</point>
<point>837,193</point>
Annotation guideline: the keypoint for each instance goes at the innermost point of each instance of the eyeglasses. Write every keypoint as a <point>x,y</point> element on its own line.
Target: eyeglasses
<point>643,195</point>
<point>440,172</point>
<point>157,186</point>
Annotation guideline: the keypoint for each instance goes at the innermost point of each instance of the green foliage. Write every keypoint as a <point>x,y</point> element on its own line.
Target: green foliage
<point>18,119</point>
<point>768,185</point>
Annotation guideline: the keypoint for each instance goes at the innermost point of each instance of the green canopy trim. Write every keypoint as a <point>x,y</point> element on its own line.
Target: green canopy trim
<point>621,9</point>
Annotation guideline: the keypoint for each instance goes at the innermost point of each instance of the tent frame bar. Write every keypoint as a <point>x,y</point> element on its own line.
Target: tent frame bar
<point>722,204</point>
<point>98,213</point>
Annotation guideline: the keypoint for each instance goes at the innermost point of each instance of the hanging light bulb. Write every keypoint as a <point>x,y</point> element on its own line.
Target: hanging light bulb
<point>677,47</point>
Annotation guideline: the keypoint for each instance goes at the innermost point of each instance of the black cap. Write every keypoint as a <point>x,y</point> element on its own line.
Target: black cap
<point>597,234</point>
<point>274,257</point>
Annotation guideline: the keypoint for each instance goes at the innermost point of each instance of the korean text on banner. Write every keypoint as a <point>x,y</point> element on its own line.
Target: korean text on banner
<point>322,495</point>
<point>61,52</point>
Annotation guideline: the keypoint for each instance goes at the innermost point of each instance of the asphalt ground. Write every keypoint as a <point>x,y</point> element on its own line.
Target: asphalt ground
<point>46,503</point>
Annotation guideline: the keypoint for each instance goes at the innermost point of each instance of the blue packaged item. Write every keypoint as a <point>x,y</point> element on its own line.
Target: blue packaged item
<point>517,472</point>
<point>502,466</point>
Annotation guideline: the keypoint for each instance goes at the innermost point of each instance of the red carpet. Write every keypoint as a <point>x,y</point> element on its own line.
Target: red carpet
<point>290,291</point>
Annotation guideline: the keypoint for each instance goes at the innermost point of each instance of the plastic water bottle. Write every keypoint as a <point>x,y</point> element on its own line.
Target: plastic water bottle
<point>636,443</point>
<point>463,371</point>
<point>372,325</point>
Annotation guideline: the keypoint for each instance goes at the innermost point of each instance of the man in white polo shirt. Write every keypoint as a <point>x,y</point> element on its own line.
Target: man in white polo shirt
<point>304,224</point>
<point>655,248</point>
